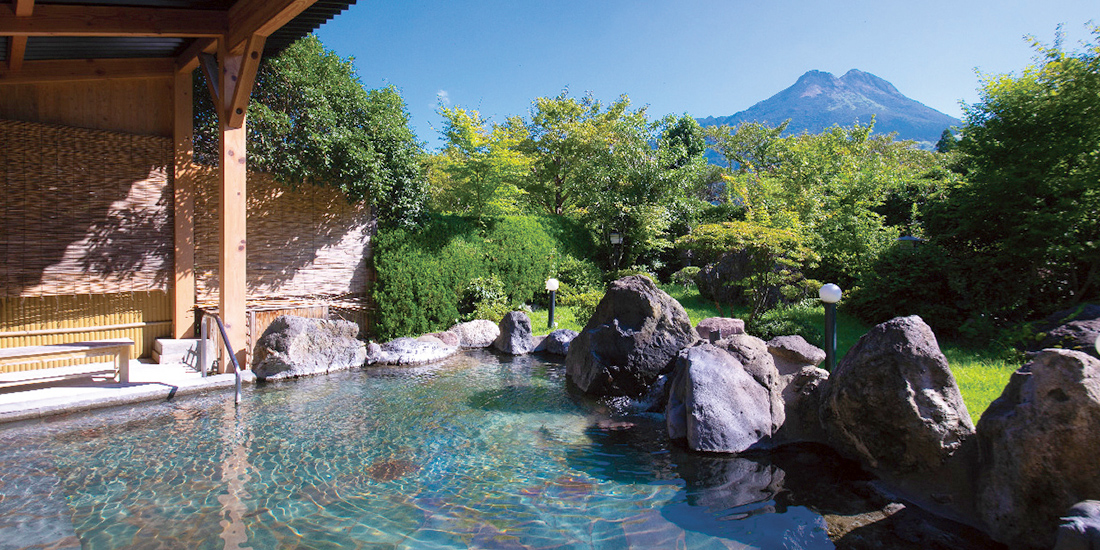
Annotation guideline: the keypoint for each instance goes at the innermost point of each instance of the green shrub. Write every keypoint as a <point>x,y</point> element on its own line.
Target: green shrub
<point>424,277</point>
<point>789,320</point>
<point>634,270</point>
<point>685,277</point>
<point>913,281</point>
<point>579,274</point>
<point>583,304</point>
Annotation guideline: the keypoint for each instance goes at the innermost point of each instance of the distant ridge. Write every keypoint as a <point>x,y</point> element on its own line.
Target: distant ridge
<point>819,100</point>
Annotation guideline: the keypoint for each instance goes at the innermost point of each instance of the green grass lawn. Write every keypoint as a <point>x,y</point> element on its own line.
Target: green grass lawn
<point>981,374</point>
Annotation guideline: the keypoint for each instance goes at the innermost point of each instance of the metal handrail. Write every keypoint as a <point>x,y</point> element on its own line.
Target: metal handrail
<point>229,351</point>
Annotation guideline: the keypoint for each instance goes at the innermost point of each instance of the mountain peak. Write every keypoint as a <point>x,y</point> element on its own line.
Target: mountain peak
<point>819,100</point>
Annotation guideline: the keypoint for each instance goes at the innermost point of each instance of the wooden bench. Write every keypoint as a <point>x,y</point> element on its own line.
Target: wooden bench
<point>118,348</point>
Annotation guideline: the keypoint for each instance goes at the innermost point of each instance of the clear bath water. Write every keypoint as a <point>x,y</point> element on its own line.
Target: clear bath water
<point>481,451</point>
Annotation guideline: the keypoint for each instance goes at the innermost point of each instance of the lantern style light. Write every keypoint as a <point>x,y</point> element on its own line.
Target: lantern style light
<point>830,294</point>
<point>616,238</point>
<point>552,288</point>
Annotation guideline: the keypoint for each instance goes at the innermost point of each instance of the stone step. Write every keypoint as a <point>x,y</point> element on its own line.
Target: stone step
<point>184,350</point>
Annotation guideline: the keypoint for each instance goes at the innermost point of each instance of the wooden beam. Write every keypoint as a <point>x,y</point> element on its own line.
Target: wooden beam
<point>24,8</point>
<point>237,105</point>
<point>83,20</point>
<point>183,185</point>
<point>209,65</point>
<point>233,253</point>
<point>17,49</point>
<point>262,17</point>
<point>189,59</point>
<point>86,69</point>
<point>17,45</point>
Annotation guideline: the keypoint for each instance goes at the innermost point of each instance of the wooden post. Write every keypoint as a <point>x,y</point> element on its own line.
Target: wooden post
<point>234,212</point>
<point>183,183</point>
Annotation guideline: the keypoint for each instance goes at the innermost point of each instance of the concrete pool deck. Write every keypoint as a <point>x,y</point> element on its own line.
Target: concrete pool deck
<point>148,382</point>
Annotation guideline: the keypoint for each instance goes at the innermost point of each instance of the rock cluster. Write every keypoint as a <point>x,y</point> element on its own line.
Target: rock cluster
<point>632,338</point>
<point>298,346</point>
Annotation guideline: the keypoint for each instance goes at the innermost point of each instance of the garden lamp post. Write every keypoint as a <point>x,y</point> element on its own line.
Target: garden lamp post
<point>616,243</point>
<point>552,286</point>
<point>830,294</point>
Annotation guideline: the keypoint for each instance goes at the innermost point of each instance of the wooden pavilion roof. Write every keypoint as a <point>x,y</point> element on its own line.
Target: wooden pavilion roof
<point>50,40</point>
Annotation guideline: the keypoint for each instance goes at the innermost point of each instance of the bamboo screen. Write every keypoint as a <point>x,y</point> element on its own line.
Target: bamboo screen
<point>83,211</point>
<point>303,243</point>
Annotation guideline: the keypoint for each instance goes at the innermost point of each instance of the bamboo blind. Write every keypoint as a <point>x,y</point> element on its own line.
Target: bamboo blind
<point>83,211</point>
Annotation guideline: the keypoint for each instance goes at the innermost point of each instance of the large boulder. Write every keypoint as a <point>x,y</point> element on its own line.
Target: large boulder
<point>715,404</point>
<point>1080,528</point>
<point>893,403</point>
<point>1038,448</point>
<point>752,353</point>
<point>557,342</point>
<point>724,326</point>
<point>480,333</point>
<point>298,346</point>
<point>409,351</point>
<point>1075,329</point>
<point>631,339</point>
<point>515,334</point>
<point>794,352</point>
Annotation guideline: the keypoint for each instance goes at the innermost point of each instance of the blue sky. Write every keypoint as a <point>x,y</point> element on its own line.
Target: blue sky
<point>701,57</point>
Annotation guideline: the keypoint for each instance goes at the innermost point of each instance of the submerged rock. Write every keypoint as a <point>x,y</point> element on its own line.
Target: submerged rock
<point>893,403</point>
<point>1038,448</point>
<point>715,404</point>
<point>632,338</point>
<point>479,333</point>
<point>515,334</point>
<point>297,346</point>
<point>409,351</point>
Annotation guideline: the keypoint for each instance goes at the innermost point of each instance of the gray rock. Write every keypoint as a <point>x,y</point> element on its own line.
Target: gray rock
<point>447,337</point>
<point>631,339</point>
<point>732,483</point>
<point>557,342</point>
<point>297,346</point>
<point>802,403</point>
<point>714,404</point>
<point>479,333</point>
<point>1080,529</point>
<point>726,327</point>
<point>409,351</point>
<point>795,350</point>
<point>1074,329</point>
<point>1038,447</point>
<point>515,334</point>
<point>752,353</point>
<point>893,403</point>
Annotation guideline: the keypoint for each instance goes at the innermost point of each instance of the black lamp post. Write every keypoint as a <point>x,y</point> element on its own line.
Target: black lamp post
<point>830,294</point>
<point>617,243</point>
<point>552,286</point>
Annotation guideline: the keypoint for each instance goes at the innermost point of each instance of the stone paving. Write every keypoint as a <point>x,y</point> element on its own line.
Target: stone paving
<point>148,382</point>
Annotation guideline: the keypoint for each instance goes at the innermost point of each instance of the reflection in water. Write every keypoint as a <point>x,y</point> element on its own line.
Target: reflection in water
<point>234,473</point>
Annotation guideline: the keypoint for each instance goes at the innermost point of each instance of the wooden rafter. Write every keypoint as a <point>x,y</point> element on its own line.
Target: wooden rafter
<point>261,17</point>
<point>87,69</point>
<point>80,20</point>
<point>17,45</point>
<point>189,59</point>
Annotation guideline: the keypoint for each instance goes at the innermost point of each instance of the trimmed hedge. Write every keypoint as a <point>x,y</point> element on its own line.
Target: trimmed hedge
<point>421,276</point>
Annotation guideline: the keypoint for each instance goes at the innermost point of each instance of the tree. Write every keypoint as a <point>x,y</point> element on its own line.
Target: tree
<point>1024,228</point>
<point>685,137</point>
<point>566,139</point>
<point>483,166</point>
<point>774,259</point>
<point>748,148</point>
<point>311,121</point>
